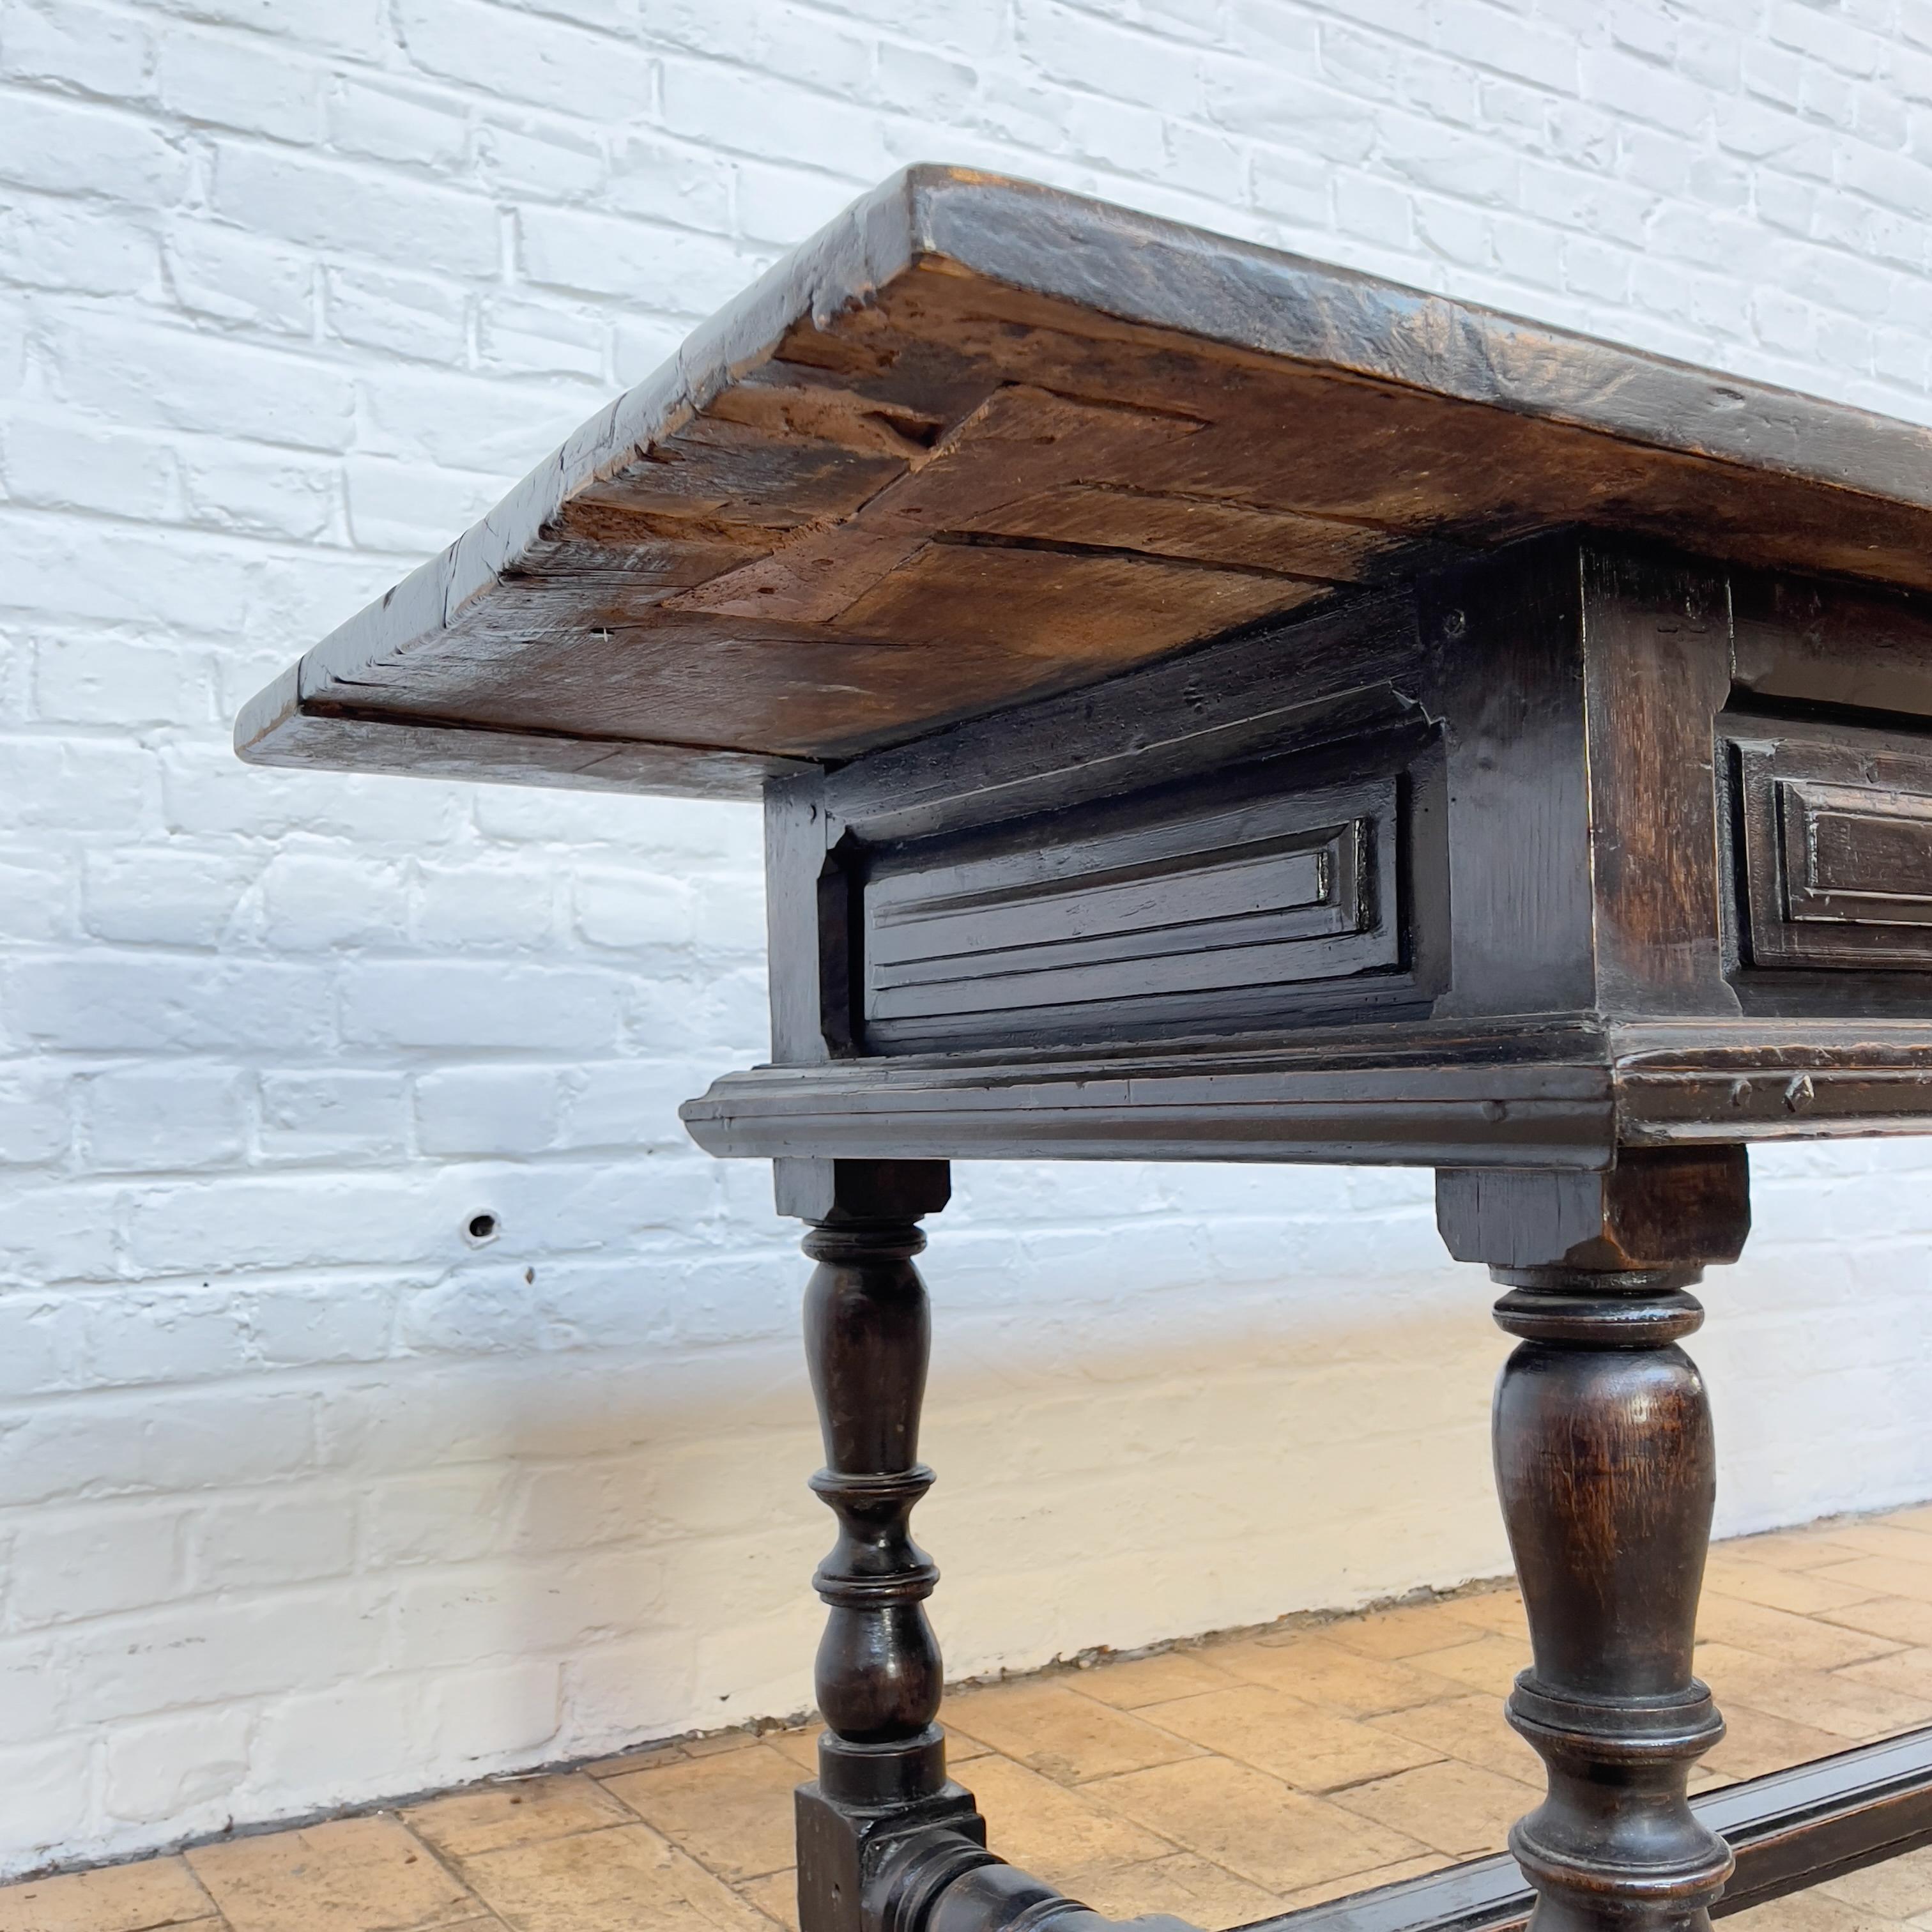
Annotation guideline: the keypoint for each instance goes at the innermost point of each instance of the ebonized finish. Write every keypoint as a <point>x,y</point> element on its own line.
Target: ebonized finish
<point>1210,706</point>
<point>1607,1474</point>
<point>882,1756</point>
<point>1528,863</point>
<point>1834,826</point>
<point>1547,871</point>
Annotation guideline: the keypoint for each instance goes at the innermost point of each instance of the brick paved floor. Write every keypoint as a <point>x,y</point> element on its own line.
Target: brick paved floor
<point>1221,1782</point>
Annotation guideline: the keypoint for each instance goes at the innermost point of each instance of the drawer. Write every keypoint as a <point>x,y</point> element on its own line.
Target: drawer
<point>1834,835</point>
<point>1187,912</point>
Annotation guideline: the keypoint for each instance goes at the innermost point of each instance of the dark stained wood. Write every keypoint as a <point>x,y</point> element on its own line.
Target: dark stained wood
<point>1564,882</point>
<point>805,925</point>
<point>1607,1475</point>
<point>868,1332</point>
<point>1656,1205</point>
<point>341,740</point>
<point>980,442</point>
<point>749,477</point>
<point>1382,453</point>
<point>1847,647</point>
<point>1200,529</point>
<point>1019,439</point>
<point>1209,706</point>
<point>937,1882</point>
<point>1072,613</point>
<point>1818,1821</point>
<point>1196,913</point>
<point>1343,672</point>
<point>1560,1094</point>
<point>1833,825</point>
<point>1506,677</point>
<point>1588,931</point>
<point>1421,1095</point>
<point>1768,1080</point>
<point>868,1335</point>
<point>1787,1830</point>
<point>1657,672</point>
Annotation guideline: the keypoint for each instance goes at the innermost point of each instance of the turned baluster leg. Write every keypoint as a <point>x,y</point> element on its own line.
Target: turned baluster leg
<point>1605,1465</point>
<point>882,1757</point>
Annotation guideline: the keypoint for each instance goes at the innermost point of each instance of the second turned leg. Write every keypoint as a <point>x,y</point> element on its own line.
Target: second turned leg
<point>1606,1469</point>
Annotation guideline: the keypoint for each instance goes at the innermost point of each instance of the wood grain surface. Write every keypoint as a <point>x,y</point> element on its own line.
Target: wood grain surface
<point>980,442</point>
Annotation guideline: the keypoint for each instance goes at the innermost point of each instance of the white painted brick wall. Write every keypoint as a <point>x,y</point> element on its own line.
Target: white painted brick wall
<point>304,1500</point>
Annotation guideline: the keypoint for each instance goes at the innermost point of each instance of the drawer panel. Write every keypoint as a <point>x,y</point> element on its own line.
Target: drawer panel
<point>1834,827</point>
<point>1191,912</point>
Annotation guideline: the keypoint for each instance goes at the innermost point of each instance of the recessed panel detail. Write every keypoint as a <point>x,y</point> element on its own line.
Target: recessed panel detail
<point>1835,836</point>
<point>1059,934</point>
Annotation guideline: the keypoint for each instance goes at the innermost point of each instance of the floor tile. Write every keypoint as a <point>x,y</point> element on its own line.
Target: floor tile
<point>516,1812</point>
<point>122,1898</point>
<point>1321,1672</point>
<point>1307,1746</point>
<point>1902,1619</point>
<point>1055,1832</point>
<point>646,1757</point>
<point>1407,1632</point>
<point>1873,1538</point>
<point>1899,1888</point>
<point>732,1812</point>
<point>1253,1825</point>
<point>1755,1742</point>
<point>1788,1639</point>
<point>1220,1782</point>
<point>726,1741</point>
<point>1499,1610</point>
<point>1884,1576</point>
<point>626,1880</point>
<point>1059,1733</point>
<point>1367,1881</point>
<point>1804,1592</point>
<point>1471,1729</point>
<point>1792,1549</point>
<point>1488,1665</point>
<point>1824,1701</point>
<point>1183,1885</point>
<point>1907,1671</point>
<point>351,1875</point>
<point>1808,1911</point>
<point>775,1895</point>
<point>801,1747</point>
<point>1150,1680</point>
<point>1455,1809</point>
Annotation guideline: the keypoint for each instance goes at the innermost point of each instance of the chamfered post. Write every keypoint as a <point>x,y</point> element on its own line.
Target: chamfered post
<point>1606,1470</point>
<point>882,1756</point>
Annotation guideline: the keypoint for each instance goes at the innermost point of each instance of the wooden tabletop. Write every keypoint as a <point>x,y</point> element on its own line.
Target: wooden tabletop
<point>978,441</point>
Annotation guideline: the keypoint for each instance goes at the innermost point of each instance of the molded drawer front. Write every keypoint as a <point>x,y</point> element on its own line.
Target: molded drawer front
<point>1211,913</point>
<point>1834,834</point>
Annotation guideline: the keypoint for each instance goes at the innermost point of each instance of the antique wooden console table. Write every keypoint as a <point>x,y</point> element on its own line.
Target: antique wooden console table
<point>1211,706</point>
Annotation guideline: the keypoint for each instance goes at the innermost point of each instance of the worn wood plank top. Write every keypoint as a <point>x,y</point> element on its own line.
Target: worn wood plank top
<point>979,441</point>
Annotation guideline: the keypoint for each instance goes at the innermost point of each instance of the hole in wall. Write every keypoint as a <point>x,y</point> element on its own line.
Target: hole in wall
<point>481,1228</point>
